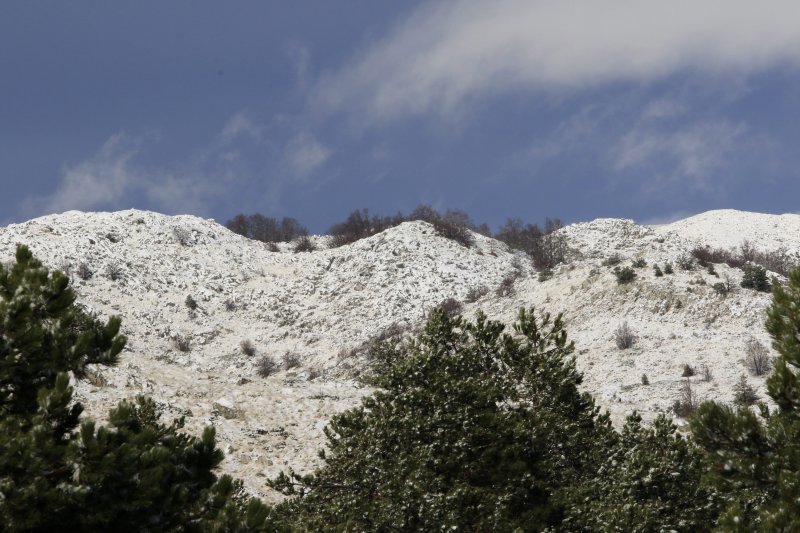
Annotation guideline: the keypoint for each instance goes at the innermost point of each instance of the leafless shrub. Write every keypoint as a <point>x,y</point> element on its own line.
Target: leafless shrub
<point>686,404</point>
<point>230,305</point>
<point>314,372</point>
<point>182,342</point>
<point>757,357</point>
<point>182,235</point>
<point>506,287</point>
<point>113,271</point>
<point>266,229</point>
<point>476,293</point>
<point>84,271</point>
<point>291,360</point>
<point>304,244</point>
<point>688,371</point>
<point>685,262</point>
<point>451,307</point>
<point>266,366</point>
<point>273,247</point>
<point>247,347</point>
<point>705,373</point>
<point>624,337</point>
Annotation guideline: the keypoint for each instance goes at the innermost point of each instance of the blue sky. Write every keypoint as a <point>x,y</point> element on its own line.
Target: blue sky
<point>593,108</point>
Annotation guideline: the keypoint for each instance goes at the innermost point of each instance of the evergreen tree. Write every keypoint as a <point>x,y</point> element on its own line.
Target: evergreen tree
<point>649,482</point>
<point>755,461</point>
<point>136,474</point>
<point>471,428</point>
<point>755,277</point>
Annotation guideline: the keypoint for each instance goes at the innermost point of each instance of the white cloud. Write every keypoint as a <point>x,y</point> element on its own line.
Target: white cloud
<point>304,154</point>
<point>449,52</point>
<point>692,155</point>
<point>102,180</point>
<point>240,124</point>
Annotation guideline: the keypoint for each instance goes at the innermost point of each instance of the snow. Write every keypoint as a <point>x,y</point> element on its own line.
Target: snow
<point>315,304</point>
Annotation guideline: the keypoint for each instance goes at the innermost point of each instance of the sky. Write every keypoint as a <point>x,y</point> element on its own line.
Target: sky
<point>643,109</point>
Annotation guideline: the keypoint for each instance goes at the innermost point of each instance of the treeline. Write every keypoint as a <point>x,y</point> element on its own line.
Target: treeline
<point>544,245</point>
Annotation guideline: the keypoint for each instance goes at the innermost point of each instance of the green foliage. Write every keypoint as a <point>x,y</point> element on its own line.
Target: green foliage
<point>743,393</point>
<point>471,428</point>
<point>650,481</point>
<point>135,474</point>
<point>755,461</point>
<point>755,277</point>
<point>657,271</point>
<point>668,268</point>
<point>624,275</point>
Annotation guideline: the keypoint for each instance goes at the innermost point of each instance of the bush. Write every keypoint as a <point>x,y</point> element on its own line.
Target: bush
<point>182,235</point>
<point>624,275</point>
<point>645,380</point>
<point>743,394</point>
<point>475,294</point>
<point>757,357</point>
<point>182,342</point>
<point>755,277</point>
<point>84,271</point>
<point>506,287</point>
<point>668,268</point>
<point>546,247</point>
<point>612,260</point>
<point>266,366</point>
<point>113,271</point>
<point>685,262</point>
<point>686,404</point>
<point>639,263</point>
<point>290,360</point>
<point>624,337</point>
<point>304,244</point>
<point>247,347</point>
<point>688,371</point>
<point>657,271</point>
<point>451,307</point>
<point>359,224</point>
<point>190,302</point>
<point>230,305</point>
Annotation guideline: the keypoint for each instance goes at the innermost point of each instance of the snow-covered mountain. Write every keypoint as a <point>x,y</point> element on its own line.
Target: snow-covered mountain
<point>315,306</point>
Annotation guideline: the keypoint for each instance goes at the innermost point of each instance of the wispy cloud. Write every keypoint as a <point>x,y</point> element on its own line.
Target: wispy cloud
<point>241,124</point>
<point>101,180</point>
<point>449,52</point>
<point>305,154</point>
<point>691,155</point>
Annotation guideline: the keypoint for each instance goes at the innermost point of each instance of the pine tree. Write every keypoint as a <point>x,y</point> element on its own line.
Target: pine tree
<point>755,462</point>
<point>755,277</point>
<point>61,473</point>
<point>650,481</point>
<point>471,428</point>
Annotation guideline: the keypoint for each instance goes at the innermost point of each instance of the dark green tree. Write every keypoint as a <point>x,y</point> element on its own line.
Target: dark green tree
<point>472,428</point>
<point>60,474</point>
<point>755,461</point>
<point>650,481</point>
<point>755,277</point>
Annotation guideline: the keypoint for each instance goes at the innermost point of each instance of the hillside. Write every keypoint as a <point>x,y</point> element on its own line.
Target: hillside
<point>318,305</point>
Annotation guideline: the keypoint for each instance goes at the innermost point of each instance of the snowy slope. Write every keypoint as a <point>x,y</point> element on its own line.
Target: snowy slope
<point>316,304</point>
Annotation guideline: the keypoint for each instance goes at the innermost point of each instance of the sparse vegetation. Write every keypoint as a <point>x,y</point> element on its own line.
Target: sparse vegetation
<point>686,404</point>
<point>451,307</point>
<point>506,287</point>
<point>190,302</point>
<point>290,360</point>
<point>476,293</point>
<point>247,347</point>
<point>639,263</point>
<point>114,271</point>
<point>84,271</point>
<point>645,380</point>
<point>230,305</point>
<point>303,244</point>
<point>757,357</point>
<point>705,373</point>
<point>685,262</point>
<point>266,366</point>
<point>657,271</point>
<point>266,229</point>
<point>612,260</point>
<point>182,343</point>
<point>182,235</point>
<point>688,371</point>
<point>624,275</point>
<point>668,268</point>
<point>624,337</point>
